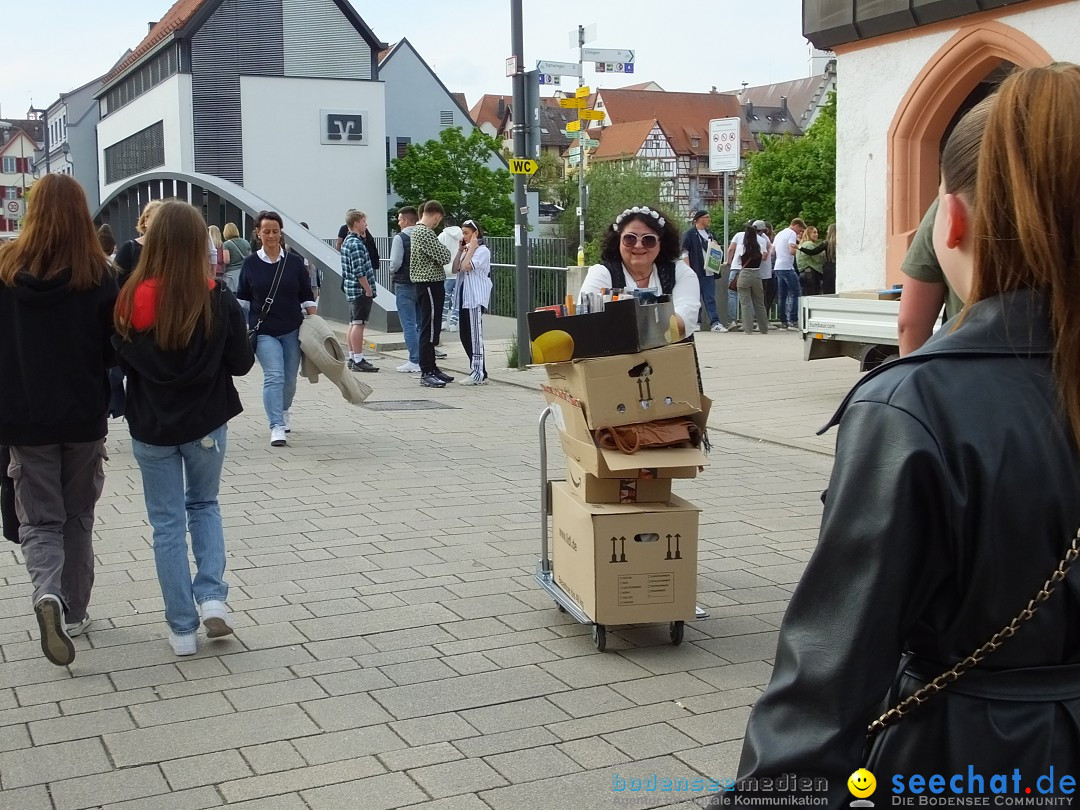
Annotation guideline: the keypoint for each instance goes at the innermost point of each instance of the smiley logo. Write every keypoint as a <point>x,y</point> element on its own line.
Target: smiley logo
<point>862,783</point>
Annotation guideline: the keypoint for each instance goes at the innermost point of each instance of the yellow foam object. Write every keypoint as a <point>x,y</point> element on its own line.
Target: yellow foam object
<point>555,346</point>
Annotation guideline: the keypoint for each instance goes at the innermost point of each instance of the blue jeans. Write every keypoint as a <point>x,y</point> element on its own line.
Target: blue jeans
<point>182,482</point>
<point>279,356</point>
<point>407,304</point>
<point>788,304</point>
<point>449,314</point>
<point>707,284</point>
<point>732,299</point>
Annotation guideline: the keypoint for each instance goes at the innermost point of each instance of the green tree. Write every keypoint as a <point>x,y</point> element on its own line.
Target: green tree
<point>454,171</point>
<point>612,188</point>
<point>793,177</point>
<point>548,179</point>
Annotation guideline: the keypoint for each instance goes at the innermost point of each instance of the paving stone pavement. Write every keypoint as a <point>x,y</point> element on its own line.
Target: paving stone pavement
<point>392,649</point>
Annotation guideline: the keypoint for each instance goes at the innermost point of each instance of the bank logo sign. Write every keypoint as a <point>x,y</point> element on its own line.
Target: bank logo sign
<point>344,127</point>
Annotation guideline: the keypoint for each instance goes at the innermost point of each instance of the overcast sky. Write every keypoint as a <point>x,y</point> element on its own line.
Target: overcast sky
<point>691,46</point>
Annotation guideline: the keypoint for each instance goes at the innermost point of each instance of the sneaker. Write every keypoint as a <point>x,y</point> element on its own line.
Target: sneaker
<point>288,421</point>
<point>719,327</point>
<point>79,628</point>
<point>186,644</point>
<point>440,355</point>
<point>215,618</point>
<point>472,381</point>
<point>277,437</point>
<point>364,365</point>
<point>442,375</point>
<point>55,641</point>
<point>431,381</point>
<point>409,368</point>
<point>452,327</point>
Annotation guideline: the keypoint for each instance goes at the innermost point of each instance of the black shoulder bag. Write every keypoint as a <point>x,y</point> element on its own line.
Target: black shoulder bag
<point>253,332</point>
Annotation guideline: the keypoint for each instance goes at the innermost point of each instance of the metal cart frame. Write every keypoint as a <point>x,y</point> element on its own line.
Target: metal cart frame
<point>544,575</point>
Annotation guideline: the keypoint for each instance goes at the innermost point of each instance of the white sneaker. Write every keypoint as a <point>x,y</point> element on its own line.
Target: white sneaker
<point>79,628</point>
<point>472,381</point>
<point>215,618</point>
<point>409,368</point>
<point>288,421</point>
<point>186,644</point>
<point>719,327</point>
<point>450,327</point>
<point>277,437</point>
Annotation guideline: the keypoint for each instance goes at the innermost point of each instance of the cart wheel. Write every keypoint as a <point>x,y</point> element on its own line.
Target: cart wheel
<point>676,630</point>
<point>560,607</point>
<point>599,636</point>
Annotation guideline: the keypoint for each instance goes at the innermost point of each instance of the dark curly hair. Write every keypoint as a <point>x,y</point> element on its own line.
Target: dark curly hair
<point>668,233</point>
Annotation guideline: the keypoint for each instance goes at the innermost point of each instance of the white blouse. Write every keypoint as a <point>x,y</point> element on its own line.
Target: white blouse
<point>686,296</point>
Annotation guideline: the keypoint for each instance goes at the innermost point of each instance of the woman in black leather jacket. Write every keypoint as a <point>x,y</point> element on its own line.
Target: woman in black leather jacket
<point>955,493</point>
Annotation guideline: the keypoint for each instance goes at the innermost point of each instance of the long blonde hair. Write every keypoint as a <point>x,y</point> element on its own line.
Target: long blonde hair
<point>1026,224</point>
<point>175,256</point>
<point>144,216</point>
<point>57,234</point>
<point>215,236</point>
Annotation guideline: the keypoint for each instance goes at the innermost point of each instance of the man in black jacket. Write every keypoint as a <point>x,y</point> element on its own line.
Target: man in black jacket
<point>695,244</point>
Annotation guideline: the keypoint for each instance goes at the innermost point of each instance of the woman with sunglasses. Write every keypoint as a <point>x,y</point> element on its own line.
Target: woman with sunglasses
<point>642,250</point>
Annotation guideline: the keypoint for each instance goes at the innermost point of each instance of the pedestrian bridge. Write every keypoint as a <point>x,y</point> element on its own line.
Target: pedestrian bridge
<point>221,201</point>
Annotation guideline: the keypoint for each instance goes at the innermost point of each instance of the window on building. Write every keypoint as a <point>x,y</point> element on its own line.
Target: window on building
<point>140,81</point>
<point>9,165</point>
<point>446,118</point>
<point>695,142</point>
<point>11,192</point>
<point>141,152</point>
<point>403,146</point>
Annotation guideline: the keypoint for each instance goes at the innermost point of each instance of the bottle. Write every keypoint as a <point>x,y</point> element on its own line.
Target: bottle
<point>581,256</point>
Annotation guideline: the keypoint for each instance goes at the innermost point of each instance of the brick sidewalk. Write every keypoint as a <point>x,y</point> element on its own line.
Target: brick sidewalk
<point>392,648</point>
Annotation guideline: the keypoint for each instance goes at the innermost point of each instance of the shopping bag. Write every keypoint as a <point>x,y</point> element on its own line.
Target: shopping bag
<point>714,258</point>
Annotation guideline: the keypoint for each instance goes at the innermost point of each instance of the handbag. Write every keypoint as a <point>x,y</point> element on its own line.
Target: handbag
<point>678,432</point>
<point>733,285</point>
<point>955,672</point>
<point>253,332</point>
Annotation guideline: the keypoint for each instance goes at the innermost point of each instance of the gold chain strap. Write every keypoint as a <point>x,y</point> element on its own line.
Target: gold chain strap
<point>953,674</point>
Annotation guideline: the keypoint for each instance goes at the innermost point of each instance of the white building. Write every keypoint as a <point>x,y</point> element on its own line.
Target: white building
<point>71,123</point>
<point>906,71</point>
<point>281,97</point>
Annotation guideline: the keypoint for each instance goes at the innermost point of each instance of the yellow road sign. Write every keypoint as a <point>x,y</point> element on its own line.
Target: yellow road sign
<point>591,115</point>
<point>523,166</point>
<point>582,92</point>
<point>573,126</point>
<point>573,103</point>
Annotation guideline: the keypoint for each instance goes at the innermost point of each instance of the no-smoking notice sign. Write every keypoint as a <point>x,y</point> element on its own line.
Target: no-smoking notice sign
<point>725,144</point>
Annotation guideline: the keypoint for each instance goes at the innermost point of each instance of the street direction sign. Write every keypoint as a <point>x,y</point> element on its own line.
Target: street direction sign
<point>573,150</point>
<point>547,78</point>
<point>725,144</point>
<point>591,115</point>
<point>606,55</point>
<point>573,126</point>
<point>590,143</point>
<point>573,103</point>
<point>523,166</point>
<point>574,160</point>
<point>559,68</point>
<point>582,92</point>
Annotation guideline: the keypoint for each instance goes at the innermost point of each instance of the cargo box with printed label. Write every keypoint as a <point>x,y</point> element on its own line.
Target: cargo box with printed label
<point>626,563</point>
<point>634,489</point>
<point>624,327</point>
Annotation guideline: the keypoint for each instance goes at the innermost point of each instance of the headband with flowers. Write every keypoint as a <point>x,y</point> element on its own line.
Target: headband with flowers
<point>639,209</point>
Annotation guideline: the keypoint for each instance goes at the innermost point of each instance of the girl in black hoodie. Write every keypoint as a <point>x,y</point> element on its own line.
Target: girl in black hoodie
<point>56,298</point>
<point>181,338</point>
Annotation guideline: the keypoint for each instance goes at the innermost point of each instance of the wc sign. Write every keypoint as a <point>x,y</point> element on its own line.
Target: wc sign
<point>344,127</point>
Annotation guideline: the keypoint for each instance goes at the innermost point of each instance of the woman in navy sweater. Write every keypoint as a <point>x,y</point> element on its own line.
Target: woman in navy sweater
<point>278,348</point>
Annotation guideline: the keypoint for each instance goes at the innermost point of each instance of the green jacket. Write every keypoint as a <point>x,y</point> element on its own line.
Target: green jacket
<point>811,261</point>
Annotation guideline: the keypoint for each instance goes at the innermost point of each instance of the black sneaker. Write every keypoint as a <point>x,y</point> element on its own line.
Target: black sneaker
<point>432,381</point>
<point>55,641</point>
<point>364,365</point>
<point>442,375</point>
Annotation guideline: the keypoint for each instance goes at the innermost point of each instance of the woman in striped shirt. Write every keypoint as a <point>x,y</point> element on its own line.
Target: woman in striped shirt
<point>472,294</point>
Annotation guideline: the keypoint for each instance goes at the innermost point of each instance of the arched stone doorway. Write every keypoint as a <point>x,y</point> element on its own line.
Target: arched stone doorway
<point>952,81</point>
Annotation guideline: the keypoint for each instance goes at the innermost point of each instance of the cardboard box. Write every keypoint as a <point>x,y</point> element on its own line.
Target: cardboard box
<point>589,488</point>
<point>624,327</point>
<point>630,388</point>
<point>623,563</point>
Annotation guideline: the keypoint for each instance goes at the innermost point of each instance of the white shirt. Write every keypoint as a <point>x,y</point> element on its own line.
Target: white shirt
<point>785,259</point>
<point>685,297</point>
<point>737,240</point>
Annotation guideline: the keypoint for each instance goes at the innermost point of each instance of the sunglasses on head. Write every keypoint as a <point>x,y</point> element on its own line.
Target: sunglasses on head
<point>648,240</point>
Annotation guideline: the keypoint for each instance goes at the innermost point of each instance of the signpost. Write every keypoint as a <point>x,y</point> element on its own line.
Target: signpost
<point>725,154</point>
<point>573,103</point>
<point>526,166</point>
<point>559,68</point>
<point>591,115</point>
<point>13,209</point>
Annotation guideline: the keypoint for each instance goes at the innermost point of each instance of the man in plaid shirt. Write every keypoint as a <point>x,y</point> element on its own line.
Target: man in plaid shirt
<point>358,284</point>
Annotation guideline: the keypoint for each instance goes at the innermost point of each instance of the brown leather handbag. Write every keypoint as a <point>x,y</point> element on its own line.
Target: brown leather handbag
<point>677,432</point>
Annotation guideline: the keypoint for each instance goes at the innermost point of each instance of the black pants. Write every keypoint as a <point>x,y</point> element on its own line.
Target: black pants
<point>769,284</point>
<point>828,278</point>
<point>430,296</point>
<point>471,326</point>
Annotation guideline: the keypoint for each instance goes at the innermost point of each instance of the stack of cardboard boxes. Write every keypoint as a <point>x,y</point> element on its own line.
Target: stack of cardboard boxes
<point>624,548</point>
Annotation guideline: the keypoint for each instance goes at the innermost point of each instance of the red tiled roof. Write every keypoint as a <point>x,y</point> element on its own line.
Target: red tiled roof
<point>799,93</point>
<point>486,110</point>
<point>176,17</point>
<point>620,141</point>
<point>683,116</point>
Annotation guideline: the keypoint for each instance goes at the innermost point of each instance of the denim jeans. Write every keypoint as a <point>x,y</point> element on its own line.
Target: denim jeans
<point>180,486</point>
<point>732,299</point>
<point>707,284</point>
<point>279,356</point>
<point>406,297</point>
<point>449,314</point>
<point>788,304</point>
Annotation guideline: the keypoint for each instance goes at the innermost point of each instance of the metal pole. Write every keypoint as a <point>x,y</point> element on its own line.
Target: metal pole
<point>581,142</point>
<point>727,196</point>
<point>521,214</point>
